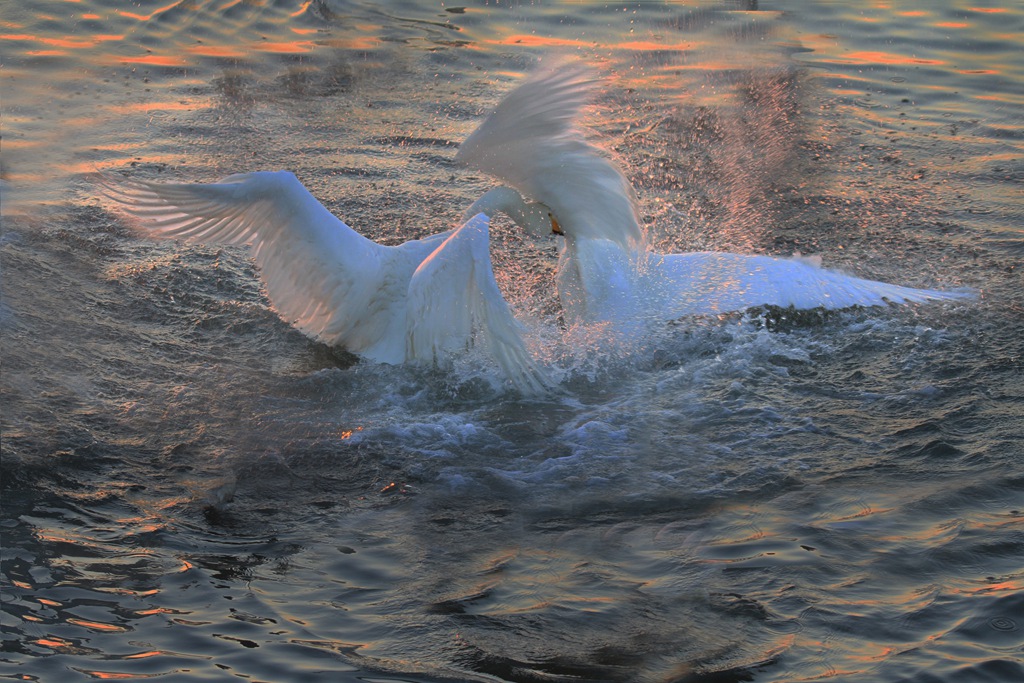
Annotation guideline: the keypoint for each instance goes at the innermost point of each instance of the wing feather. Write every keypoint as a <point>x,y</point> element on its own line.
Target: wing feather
<point>321,276</point>
<point>453,294</point>
<point>709,283</point>
<point>530,141</point>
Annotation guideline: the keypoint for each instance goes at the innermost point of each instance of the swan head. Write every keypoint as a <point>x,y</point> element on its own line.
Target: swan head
<point>536,218</point>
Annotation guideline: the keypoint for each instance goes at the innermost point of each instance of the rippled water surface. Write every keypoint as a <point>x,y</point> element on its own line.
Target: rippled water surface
<point>192,490</point>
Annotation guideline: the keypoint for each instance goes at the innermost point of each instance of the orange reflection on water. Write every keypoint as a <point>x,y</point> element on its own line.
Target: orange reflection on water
<point>155,60</point>
<point>867,57</point>
<point>347,433</point>
<point>367,42</point>
<point>648,46</point>
<point>1007,586</point>
<point>147,107</point>
<point>51,537</point>
<point>110,675</point>
<point>847,77</point>
<point>53,642</point>
<point>539,41</point>
<point>998,98</point>
<point>76,43</point>
<point>155,610</point>
<point>302,10</point>
<point>147,17</point>
<point>97,625</point>
<point>287,48</point>
<point>215,51</point>
<point>548,41</point>
<point>61,45</point>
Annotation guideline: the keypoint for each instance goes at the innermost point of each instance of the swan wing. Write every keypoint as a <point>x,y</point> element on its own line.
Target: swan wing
<point>453,294</point>
<point>323,277</point>
<point>709,283</point>
<point>530,142</point>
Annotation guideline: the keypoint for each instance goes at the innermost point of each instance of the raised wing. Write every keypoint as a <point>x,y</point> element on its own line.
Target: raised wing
<point>321,276</point>
<point>530,142</point>
<point>453,295</point>
<point>709,283</point>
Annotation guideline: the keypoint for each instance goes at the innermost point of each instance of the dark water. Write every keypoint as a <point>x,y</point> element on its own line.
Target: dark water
<point>194,491</point>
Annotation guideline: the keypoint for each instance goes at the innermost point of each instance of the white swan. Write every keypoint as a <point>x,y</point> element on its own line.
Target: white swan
<point>419,300</point>
<point>605,272</point>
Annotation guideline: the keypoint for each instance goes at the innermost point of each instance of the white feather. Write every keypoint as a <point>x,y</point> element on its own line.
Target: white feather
<point>453,294</point>
<point>530,141</point>
<point>709,283</point>
<point>336,285</point>
<point>605,273</point>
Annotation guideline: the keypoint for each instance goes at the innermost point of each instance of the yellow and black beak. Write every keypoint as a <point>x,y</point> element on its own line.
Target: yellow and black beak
<point>556,229</point>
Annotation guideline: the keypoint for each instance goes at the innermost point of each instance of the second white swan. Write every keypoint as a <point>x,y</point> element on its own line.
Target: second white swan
<point>605,272</point>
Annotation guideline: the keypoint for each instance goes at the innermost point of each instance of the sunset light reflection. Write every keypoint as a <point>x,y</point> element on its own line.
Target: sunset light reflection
<point>741,492</point>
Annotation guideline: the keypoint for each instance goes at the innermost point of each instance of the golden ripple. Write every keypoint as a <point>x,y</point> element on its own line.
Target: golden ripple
<point>539,41</point>
<point>54,642</point>
<point>225,51</point>
<point>113,675</point>
<point>97,625</point>
<point>151,15</point>
<point>876,57</point>
<point>285,47</point>
<point>155,60</point>
<point>302,10</point>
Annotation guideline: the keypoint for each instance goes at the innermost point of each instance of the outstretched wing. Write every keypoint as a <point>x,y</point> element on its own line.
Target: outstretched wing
<point>321,275</point>
<point>709,283</point>
<point>530,142</point>
<point>453,294</point>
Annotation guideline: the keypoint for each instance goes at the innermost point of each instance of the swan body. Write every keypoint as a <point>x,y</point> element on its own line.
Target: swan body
<point>605,272</point>
<point>600,282</point>
<point>418,301</point>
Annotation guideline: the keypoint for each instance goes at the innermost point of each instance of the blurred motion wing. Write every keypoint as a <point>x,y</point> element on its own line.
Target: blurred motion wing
<point>530,142</point>
<point>453,295</point>
<point>317,270</point>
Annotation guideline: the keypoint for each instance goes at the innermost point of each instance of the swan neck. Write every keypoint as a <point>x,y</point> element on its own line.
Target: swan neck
<point>500,199</point>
